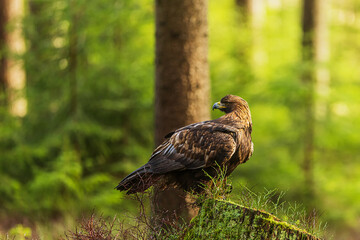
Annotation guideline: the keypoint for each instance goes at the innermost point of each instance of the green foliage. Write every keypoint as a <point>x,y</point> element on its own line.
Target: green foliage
<point>275,93</point>
<point>90,80</point>
<point>89,88</point>
<point>19,232</point>
<point>218,218</point>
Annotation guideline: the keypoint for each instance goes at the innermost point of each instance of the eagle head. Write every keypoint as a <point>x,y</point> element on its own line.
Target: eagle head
<point>230,103</point>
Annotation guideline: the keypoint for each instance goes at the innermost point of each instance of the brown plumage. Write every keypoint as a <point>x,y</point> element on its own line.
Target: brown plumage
<point>180,161</point>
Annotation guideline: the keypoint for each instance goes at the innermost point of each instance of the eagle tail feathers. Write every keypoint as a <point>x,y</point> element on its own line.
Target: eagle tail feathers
<point>137,181</point>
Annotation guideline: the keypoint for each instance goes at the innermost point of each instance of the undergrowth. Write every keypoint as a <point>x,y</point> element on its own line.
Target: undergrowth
<point>270,201</point>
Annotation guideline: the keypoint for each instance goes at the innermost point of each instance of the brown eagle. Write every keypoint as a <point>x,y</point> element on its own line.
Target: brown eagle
<point>187,153</point>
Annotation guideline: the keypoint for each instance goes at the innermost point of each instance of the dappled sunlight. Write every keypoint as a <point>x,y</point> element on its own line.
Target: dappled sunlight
<point>98,57</point>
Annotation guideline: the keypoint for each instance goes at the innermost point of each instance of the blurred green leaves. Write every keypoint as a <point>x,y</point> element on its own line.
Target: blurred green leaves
<point>56,161</point>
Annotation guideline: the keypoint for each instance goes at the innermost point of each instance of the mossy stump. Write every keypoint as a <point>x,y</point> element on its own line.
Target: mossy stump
<point>225,220</point>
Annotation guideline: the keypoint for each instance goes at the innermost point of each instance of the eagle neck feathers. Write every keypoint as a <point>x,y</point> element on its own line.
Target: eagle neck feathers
<point>238,118</point>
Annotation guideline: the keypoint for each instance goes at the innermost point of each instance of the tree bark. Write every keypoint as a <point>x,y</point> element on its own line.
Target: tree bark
<point>182,82</point>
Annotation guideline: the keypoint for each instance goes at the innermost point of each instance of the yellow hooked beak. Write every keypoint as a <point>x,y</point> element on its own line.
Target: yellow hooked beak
<point>218,105</point>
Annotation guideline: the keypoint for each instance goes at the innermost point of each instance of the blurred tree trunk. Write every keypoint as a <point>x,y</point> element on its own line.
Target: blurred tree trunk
<point>245,43</point>
<point>3,23</point>
<point>12,46</point>
<point>73,57</point>
<point>251,51</point>
<point>38,56</point>
<point>245,10</point>
<point>182,82</point>
<point>309,12</point>
<point>322,56</point>
<point>315,78</point>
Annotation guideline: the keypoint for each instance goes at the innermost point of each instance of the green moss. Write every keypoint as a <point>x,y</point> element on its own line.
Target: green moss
<point>220,219</point>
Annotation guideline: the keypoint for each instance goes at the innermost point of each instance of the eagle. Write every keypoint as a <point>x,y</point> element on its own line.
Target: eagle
<point>191,155</point>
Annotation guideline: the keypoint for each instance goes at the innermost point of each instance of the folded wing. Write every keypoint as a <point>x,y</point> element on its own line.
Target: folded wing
<point>195,146</point>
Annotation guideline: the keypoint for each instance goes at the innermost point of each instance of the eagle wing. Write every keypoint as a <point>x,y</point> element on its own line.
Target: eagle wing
<point>195,146</point>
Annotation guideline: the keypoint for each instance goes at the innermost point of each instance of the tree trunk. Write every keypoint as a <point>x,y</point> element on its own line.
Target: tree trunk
<point>322,55</point>
<point>73,57</point>
<point>252,13</point>
<point>182,82</point>
<point>12,74</point>
<point>245,10</point>
<point>308,79</point>
<point>316,80</point>
<point>219,219</point>
<point>247,40</point>
<point>3,23</point>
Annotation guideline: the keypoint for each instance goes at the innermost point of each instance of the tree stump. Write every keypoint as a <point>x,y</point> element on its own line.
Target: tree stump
<point>219,219</point>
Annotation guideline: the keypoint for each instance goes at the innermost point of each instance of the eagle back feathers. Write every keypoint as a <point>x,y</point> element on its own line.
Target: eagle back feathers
<point>195,146</point>
<point>189,151</point>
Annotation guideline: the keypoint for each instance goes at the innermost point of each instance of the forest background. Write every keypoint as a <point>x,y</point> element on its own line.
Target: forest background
<point>77,106</point>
